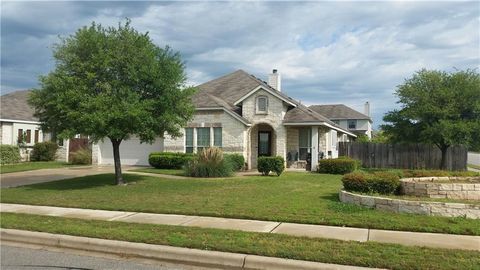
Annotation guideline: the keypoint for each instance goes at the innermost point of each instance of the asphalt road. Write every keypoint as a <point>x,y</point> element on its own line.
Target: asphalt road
<point>13,258</point>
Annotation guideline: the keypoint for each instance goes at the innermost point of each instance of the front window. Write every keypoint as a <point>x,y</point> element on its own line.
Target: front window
<point>20,136</point>
<point>29,136</point>
<point>352,124</point>
<point>203,138</point>
<point>217,137</point>
<point>189,140</point>
<point>262,104</point>
<point>304,142</point>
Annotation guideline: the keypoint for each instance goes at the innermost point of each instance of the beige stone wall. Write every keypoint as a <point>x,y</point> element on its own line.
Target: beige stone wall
<point>274,118</point>
<point>233,132</point>
<point>413,207</point>
<point>432,188</point>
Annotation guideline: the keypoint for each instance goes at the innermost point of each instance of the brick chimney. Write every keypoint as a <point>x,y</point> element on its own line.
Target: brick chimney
<point>274,80</point>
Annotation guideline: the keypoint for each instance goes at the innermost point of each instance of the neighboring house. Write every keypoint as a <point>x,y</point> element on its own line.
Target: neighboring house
<point>17,124</point>
<point>348,118</point>
<point>243,114</point>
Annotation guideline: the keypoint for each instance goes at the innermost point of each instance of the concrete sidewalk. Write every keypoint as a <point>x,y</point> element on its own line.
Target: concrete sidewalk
<point>436,240</point>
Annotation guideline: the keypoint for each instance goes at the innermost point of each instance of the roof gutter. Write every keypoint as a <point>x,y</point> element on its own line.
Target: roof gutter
<point>19,121</point>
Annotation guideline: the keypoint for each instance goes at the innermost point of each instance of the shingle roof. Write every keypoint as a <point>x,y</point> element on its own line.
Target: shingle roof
<point>226,90</point>
<point>14,106</point>
<point>339,112</point>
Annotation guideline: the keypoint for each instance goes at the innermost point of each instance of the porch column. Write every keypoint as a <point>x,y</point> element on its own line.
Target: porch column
<point>314,148</point>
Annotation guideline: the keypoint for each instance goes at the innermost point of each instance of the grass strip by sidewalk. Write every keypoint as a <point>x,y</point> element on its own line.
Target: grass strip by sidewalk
<point>31,166</point>
<point>160,171</point>
<point>293,197</point>
<point>274,245</point>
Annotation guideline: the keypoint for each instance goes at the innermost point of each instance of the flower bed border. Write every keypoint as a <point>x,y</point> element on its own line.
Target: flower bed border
<point>414,207</point>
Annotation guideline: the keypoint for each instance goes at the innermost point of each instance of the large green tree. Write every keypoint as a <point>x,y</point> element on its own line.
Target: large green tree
<point>437,107</point>
<point>113,83</point>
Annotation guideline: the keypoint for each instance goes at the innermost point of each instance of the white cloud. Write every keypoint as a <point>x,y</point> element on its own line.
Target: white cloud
<point>327,52</point>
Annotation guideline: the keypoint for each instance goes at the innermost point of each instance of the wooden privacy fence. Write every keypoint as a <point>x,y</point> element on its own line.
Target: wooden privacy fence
<point>404,156</point>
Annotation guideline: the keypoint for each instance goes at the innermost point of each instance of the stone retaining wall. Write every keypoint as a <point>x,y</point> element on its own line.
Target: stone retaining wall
<point>431,187</point>
<point>415,207</point>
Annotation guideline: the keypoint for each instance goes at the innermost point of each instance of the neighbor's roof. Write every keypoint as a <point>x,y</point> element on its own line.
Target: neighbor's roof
<point>14,106</point>
<point>339,112</point>
<point>228,89</point>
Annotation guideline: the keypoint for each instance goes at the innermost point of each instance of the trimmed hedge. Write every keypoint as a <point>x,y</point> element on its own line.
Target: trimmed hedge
<point>377,182</point>
<point>266,165</point>
<point>44,151</point>
<point>236,160</point>
<point>340,165</point>
<point>169,160</point>
<point>9,154</point>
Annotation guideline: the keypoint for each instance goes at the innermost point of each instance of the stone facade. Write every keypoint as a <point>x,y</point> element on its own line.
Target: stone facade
<point>463,188</point>
<point>233,132</point>
<point>413,207</point>
<point>273,118</point>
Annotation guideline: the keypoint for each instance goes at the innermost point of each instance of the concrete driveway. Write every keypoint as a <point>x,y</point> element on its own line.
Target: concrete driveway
<point>46,175</point>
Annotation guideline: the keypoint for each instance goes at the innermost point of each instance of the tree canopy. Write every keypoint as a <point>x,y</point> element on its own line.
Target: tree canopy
<point>113,83</point>
<point>439,108</point>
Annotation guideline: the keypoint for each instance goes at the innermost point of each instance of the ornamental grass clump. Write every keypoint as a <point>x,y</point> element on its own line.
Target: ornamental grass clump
<point>209,162</point>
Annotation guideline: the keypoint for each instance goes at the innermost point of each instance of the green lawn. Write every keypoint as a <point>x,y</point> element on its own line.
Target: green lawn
<point>30,166</point>
<point>292,197</point>
<point>274,245</point>
<point>160,171</point>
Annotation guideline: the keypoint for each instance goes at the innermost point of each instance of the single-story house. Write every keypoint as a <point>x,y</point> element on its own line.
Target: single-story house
<point>18,125</point>
<point>243,114</point>
<point>348,118</point>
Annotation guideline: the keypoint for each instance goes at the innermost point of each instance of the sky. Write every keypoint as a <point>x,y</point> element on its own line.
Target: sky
<point>326,52</point>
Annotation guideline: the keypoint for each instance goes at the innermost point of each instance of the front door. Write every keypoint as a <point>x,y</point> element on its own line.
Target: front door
<point>264,143</point>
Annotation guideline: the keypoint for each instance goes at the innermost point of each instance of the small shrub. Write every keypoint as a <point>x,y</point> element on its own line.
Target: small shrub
<point>9,154</point>
<point>377,182</point>
<point>44,151</point>
<point>169,160</point>
<point>266,165</point>
<point>384,183</point>
<point>355,181</point>
<point>209,163</point>
<point>236,160</point>
<point>341,165</point>
<point>82,156</point>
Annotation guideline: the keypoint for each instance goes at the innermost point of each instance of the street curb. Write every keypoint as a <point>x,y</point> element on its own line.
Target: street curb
<point>170,254</point>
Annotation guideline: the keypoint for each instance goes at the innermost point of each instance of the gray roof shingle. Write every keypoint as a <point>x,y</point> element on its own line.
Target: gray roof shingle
<point>14,106</point>
<point>339,112</point>
<point>226,90</point>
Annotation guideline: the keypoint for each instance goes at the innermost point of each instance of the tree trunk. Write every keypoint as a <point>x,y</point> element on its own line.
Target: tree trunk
<point>116,160</point>
<point>443,164</point>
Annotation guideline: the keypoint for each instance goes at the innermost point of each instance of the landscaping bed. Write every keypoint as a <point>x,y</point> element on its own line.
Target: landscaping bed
<point>384,190</point>
<point>367,254</point>
<point>292,197</point>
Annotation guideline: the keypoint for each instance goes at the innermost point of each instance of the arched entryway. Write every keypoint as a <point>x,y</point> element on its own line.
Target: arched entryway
<point>262,143</point>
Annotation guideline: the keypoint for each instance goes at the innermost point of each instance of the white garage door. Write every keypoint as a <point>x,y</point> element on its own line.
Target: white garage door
<point>132,152</point>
